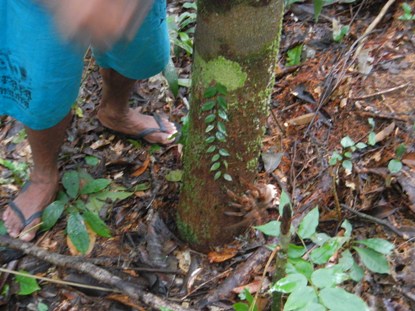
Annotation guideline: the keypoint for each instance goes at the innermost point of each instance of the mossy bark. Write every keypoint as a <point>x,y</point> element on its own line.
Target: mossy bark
<point>236,44</point>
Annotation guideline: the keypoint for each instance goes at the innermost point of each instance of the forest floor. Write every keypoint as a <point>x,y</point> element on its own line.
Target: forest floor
<point>315,104</point>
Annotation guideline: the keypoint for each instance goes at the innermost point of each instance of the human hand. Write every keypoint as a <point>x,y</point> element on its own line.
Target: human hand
<point>100,22</point>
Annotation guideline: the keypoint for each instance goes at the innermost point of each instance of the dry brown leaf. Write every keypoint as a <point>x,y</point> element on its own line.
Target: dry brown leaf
<point>225,254</point>
<point>253,287</point>
<point>142,168</point>
<point>301,120</point>
<point>409,159</point>
<point>385,132</point>
<point>125,300</point>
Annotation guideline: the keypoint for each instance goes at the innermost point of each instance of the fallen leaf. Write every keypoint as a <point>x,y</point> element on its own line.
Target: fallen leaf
<point>301,120</point>
<point>92,239</point>
<point>225,254</point>
<point>409,159</point>
<point>125,300</point>
<point>271,160</point>
<point>142,168</point>
<point>407,182</point>
<point>253,287</point>
<point>385,132</point>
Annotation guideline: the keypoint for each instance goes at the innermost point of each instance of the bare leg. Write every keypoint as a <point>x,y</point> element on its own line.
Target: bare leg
<point>115,113</point>
<point>41,190</point>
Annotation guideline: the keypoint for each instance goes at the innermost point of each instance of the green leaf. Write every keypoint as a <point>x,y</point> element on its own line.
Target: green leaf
<point>224,152</point>
<point>361,145</point>
<point>340,300</point>
<point>309,224</point>
<point>371,122</point>
<point>300,298</point>
<point>225,164</point>
<point>217,175</point>
<point>222,103</point>
<point>347,228</point>
<point>335,157</point>
<point>91,161</point>
<point>313,307</point>
<point>240,306</point>
<point>170,73</point>
<point>296,251</point>
<point>318,7</point>
<point>400,150</point>
<point>294,55</point>
<point>347,142</point>
<point>42,307</point>
<point>284,200</point>
<point>210,139</point>
<point>51,214</point>
<point>220,136</point>
<point>221,127</point>
<point>323,253</point>
<point>119,195</point>
<point>341,32</point>
<point>3,229</point>
<point>215,166</point>
<point>301,266</point>
<point>210,92</point>
<point>223,114</point>
<point>96,224</point>
<point>379,245</point>
<point>174,175</point>
<point>327,277</point>
<point>209,128</point>
<point>208,105</point>
<point>290,283</point>
<point>347,165</point>
<point>95,186</point>
<point>211,149</point>
<point>215,157</point>
<point>27,284</point>
<point>374,261</point>
<point>141,187</point>
<point>346,261</point>
<point>221,89</point>
<point>77,232</point>
<point>348,154</point>
<point>272,228</point>
<point>320,238</point>
<point>227,177</point>
<point>210,118</point>
<point>356,272</point>
<point>394,166</point>
<point>70,182</point>
<point>371,139</point>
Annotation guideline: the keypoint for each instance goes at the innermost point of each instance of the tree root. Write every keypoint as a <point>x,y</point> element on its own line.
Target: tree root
<point>79,264</point>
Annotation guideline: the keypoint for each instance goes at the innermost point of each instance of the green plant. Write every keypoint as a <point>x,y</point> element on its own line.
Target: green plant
<point>294,55</point>
<point>316,270</point>
<point>339,30</point>
<point>216,108</point>
<point>82,200</point>
<point>250,305</point>
<point>345,156</point>
<point>395,165</point>
<point>407,13</point>
<point>182,27</point>
<point>27,284</point>
<point>19,170</point>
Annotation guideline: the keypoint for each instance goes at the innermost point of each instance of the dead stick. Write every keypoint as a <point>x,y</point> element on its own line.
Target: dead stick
<point>101,275</point>
<point>380,92</point>
<point>376,220</point>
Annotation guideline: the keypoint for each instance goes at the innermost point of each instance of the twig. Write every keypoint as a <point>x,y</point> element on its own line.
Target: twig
<point>377,221</point>
<point>373,25</point>
<point>380,92</point>
<point>101,275</point>
<point>381,115</point>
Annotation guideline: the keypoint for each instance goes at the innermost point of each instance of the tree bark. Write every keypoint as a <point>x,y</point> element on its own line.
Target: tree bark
<point>236,44</point>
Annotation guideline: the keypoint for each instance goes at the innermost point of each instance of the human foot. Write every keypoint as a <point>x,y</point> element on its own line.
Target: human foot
<point>153,129</point>
<point>32,200</point>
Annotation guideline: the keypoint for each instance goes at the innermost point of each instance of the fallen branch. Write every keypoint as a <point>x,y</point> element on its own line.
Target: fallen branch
<point>79,264</point>
<point>376,220</point>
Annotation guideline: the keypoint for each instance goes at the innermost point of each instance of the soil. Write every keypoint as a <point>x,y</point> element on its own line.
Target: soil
<point>331,94</point>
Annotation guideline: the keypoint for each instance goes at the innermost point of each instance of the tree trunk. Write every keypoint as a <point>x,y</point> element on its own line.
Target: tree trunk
<point>236,44</point>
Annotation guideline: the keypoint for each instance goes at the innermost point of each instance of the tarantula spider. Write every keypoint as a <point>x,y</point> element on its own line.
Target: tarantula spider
<point>254,202</point>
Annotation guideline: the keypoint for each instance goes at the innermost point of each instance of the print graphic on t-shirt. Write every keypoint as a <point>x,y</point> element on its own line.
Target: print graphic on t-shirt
<point>14,83</point>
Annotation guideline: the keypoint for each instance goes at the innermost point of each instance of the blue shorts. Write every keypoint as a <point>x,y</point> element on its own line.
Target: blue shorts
<point>40,73</point>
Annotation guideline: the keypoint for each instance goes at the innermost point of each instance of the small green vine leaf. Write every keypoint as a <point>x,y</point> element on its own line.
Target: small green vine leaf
<point>224,152</point>
<point>215,166</point>
<point>225,163</point>
<point>210,139</point>
<point>210,92</point>
<point>227,177</point>
<point>221,89</point>
<point>223,115</point>
<point>222,102</point>
<point>220,136</point>
<point>217,175</point>
<point>209,128</point>
<point>215,157</point>
<point>208,106</point>
<point>210,118</point>
<point>211,149</point>
<point>222,127</point>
